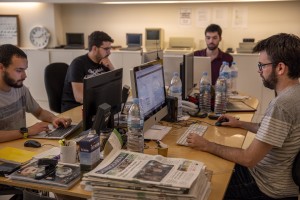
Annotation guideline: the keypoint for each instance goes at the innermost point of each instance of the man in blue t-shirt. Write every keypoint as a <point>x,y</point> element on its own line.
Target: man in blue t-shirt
<point>95,61</point>
<point>213,36</point>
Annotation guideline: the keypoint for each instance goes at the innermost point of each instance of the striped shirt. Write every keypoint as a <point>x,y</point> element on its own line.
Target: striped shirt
<point>13,105</point>
<point>279,127</point>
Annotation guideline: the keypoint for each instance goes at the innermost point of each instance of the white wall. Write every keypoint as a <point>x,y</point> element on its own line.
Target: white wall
<point>264,19</point>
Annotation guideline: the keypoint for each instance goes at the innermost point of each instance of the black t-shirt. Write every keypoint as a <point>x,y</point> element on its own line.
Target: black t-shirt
<point>79,68</point>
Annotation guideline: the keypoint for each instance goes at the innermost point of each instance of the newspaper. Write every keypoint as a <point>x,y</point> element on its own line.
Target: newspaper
<point>132,167</point>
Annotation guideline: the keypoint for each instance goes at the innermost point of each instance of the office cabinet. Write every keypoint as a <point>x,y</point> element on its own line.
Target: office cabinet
<point>37,62</point>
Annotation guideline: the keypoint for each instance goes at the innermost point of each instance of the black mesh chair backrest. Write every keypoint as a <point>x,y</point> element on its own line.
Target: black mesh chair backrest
<point>55,74</point>
<point>296,169</point>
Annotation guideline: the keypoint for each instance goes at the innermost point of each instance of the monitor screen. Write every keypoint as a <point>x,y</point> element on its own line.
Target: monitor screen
<point>99,89</point>
<point>134,39</point>
<point>187,74</point>
<point>75,38</point>
<point>153,38</point>
<point>147,83</point>
<point>152,34</point>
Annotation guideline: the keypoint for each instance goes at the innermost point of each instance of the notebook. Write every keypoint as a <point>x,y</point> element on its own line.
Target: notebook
<point>157,132</point>
<point>74,41</point>
<point>59,133</point>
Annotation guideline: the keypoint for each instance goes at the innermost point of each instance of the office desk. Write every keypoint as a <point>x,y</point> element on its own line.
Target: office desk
<point>222,169</point>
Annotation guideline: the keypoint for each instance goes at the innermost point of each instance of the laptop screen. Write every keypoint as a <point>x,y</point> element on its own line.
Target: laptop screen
<point>134,39</point>
<point>75,39</point>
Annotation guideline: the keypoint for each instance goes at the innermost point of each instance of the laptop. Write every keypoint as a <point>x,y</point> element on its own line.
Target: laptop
<point>133,42</point>
<point>201,64</point>
<point>74,41</point>
<point>59,133</point>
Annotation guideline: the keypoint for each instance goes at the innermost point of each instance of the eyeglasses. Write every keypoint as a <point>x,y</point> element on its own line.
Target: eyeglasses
<point>261,66</point>
<point>106,48</point>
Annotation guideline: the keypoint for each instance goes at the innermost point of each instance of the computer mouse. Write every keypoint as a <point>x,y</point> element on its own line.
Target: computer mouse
<point>219,123</point>
<point>32,143</point>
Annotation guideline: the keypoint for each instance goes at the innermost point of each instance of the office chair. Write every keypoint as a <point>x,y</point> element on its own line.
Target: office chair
<point>54,76</point>
<point>12,191</point>
<point>296,172</point>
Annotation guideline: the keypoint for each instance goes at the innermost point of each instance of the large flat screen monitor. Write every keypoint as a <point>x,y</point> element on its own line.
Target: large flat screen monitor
<point>75,39</point>
<point>147,83</point>
<point>187,74</point>
<point>99,89</point>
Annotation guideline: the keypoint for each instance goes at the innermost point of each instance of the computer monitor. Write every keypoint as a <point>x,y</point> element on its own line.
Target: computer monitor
<point>99,89</point>
<point>187,74</point>
<point>171,65</point>
<point>75,39</point>
<point>134,39</point>
<point>153,38</point>
<point>147,83</point>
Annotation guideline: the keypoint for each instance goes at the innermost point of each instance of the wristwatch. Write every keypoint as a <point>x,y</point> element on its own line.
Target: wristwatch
<point>24,132</point>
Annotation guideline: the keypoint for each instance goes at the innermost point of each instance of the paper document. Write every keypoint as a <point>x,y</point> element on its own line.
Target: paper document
<point>157,132</point>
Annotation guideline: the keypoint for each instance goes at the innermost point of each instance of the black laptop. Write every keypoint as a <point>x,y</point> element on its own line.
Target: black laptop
<point>74,41</point>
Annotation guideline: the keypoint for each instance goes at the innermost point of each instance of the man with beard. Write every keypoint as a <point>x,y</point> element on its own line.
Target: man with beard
<point>94,62</point>
<point>263,170</point>
<point>213,36</point>
<point>15,100</point>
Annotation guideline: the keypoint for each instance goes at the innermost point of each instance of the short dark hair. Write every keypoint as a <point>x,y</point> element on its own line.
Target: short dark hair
<point>214,28</point>
<point>7,51</point>
<point>97,38</point>
<point>284,48</point>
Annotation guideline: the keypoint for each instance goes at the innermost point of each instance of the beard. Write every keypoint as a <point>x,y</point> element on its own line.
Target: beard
<point>212,46</point>
<point>12,83</point>
<point>271,81</point>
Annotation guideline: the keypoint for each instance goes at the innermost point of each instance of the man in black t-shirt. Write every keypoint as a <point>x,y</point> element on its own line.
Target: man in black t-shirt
<point>95,61</point>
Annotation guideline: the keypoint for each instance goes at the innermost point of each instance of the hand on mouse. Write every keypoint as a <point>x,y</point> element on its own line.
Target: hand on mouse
<point>227,120</point>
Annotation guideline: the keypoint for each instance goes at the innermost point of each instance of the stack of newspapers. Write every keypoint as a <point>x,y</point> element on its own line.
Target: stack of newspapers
<point>130,175</point>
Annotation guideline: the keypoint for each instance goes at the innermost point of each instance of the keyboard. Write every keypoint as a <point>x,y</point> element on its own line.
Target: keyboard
<point>194,128</point>
<point>58,133</point>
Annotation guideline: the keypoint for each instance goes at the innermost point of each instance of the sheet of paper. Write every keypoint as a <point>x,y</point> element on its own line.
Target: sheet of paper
<point>157,132</point>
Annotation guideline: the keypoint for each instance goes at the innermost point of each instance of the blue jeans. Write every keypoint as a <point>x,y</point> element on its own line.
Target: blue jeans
<point>242,186</point>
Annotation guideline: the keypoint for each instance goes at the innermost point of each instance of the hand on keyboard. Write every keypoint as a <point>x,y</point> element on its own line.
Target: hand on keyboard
<point>194,128</point>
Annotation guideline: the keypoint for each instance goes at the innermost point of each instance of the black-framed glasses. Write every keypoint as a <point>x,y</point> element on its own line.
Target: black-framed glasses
<point>261,66</point>
<point>106,48</point>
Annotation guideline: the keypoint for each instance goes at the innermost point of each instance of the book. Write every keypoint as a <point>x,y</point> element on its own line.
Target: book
<point>15,155</point>
<point>64,175</point>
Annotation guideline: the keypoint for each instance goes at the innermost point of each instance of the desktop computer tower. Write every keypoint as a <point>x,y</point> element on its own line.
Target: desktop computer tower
<point>172,103</point>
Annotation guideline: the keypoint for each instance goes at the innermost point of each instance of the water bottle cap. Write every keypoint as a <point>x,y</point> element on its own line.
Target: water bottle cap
<point>204,73</point>
<point>135,100</point>
<point>176,74</point>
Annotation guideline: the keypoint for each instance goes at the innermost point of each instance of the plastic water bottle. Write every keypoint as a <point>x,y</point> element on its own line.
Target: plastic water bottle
<point>226,73</point>
<point>220,96</point>
<point>135,123</point>
<point>222,67</point>
<point>204,94</point>
<point>176,91</point>
<point>234,76</point>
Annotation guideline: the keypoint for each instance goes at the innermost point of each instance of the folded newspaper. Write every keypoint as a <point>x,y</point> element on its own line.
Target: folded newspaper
<point>128,174</point>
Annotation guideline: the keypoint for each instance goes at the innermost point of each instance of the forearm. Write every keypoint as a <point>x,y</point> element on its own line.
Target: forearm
<point>46,116</point>
<point>249,126</point>
<point>236,155</point>
<point>10,135</point>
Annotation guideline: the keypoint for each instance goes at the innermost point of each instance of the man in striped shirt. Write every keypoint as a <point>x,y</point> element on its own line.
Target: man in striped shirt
<point>263,170</point>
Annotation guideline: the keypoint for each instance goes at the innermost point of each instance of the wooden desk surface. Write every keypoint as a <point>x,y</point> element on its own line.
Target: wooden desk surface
<point>222,169</point>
